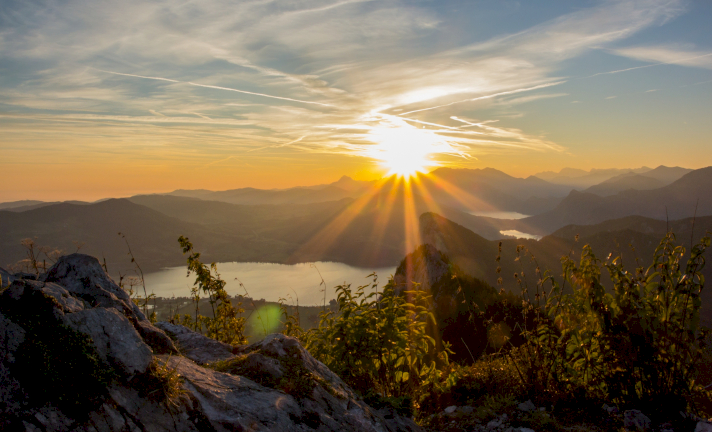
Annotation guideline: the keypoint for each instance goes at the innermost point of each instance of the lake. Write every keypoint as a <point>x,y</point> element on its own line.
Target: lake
<point>499,214</point>
<point>271,281</point>
<point>519,234</point>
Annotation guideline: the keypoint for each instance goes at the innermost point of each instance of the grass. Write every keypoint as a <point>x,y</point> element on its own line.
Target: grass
<point>162,384</point>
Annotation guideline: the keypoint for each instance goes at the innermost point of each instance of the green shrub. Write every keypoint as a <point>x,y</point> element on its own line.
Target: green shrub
<point>377,342</point>
<point>636,344</point>
<point>227,325</point>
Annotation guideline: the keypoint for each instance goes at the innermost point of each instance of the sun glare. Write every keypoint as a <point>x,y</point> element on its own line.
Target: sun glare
<point>404,149</point>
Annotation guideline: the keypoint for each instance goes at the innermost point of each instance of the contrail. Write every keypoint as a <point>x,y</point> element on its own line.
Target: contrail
<point>216,87</point>
<point>650,65</point>
<point>487,97</point>
<point>259,94</point>
<point>139,76</point>
<point>278,145</point>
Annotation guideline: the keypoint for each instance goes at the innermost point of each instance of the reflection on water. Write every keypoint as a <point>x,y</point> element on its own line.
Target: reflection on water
<point>499,214</point>
<point>270,281</point>
<point>519,234</point>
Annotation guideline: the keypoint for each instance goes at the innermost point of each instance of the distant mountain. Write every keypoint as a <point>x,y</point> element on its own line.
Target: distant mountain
<point>36,204</point>
<point>345,187</point>
<point>580,179</point>
<point>667,175</point>
<point>625,182</point>
<point>480,190</point>
<point>15,204</point>
<point>675,201</point>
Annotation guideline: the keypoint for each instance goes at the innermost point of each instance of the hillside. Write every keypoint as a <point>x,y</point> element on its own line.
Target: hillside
<point>95,229</point>
<point>476,255</point>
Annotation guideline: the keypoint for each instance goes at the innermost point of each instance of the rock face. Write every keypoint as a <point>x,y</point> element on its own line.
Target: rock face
<point>426,266</point>
<point>77,355</point>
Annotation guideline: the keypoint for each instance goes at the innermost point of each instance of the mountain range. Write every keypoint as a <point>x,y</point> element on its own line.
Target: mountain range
<point>359,223</point>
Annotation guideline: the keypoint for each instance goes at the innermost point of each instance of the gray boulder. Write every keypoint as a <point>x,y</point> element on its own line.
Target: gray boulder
<point>115,339</point>
<point>83,277</point>
<point>195,346</point>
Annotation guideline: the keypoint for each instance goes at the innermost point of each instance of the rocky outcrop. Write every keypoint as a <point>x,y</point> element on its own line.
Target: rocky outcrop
<point>197,347</point>
<point>77,355</point>
<point>425,266</point>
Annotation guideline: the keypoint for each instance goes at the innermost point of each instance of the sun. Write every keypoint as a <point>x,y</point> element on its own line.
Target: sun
<point>404,149</point>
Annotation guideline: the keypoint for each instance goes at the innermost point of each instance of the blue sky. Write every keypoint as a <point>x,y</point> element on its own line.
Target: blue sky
<point>104,98</point>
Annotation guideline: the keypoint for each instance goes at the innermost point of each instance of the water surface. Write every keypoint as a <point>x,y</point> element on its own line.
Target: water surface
<point>519,234</point>
<point>499,214</point>
<point>270,281</point>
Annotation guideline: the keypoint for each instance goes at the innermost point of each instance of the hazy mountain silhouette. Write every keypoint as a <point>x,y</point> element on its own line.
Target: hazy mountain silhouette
<point>580,179</point>
<point>345,187</point>
<point>16,204</point>
<point>21,206</point>
<point>625,182</point>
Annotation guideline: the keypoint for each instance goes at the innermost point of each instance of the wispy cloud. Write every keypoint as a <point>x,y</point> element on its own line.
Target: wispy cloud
<point>666,55</point>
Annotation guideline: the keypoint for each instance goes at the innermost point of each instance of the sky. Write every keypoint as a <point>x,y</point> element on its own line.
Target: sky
<point>105,98</point>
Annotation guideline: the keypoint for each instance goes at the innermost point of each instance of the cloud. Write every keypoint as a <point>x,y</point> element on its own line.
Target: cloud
<point>667,55</point>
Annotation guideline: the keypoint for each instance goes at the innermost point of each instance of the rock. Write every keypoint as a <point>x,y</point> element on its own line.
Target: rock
<point>115,338</point>
<point>450,409</point>
<point>83,277</point>
<point>425,266</point>
<point>523,429</point>
<point>25,276</point>
<point>195,346</point>
<point>703,426</point>
<point>526,406</point>
<point>494,424</point>
<point>12,398</point>
<point>636,420</point>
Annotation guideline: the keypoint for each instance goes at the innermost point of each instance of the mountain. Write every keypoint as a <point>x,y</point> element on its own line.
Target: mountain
<point>625,182</point>
<point>21,206</point>
<point>653,179</point>
<point>345,187</point>
<point>15,204</point>
<point>681,199</point>
<point>667,175</point>
<point>95,227</point>
<point>580,179</point>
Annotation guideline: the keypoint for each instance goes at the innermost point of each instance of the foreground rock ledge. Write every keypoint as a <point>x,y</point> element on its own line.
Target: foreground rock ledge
<point>102,354</point>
